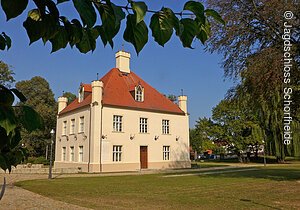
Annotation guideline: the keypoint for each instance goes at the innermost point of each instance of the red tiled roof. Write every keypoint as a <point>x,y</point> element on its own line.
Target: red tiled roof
<point>87,87</point>
<point>116,92</point>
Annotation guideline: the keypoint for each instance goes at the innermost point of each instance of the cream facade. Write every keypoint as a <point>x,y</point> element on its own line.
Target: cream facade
<point>96,134</point>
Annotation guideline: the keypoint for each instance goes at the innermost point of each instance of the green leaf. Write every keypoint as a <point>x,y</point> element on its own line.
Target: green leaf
<point>87,42</point>
<point>190,30</point>
<point>86,11</point>
<point>30,119</point>
<point>50,27</point>
<point>74,31</point>
<point>162,28</point>
<point>34,14</point>
<point>6,96</point>
<point>19,95</point>
<point>136,34</point>
<point>202,36</point>
<point>13,8</point>
<point>4,140</point>
<point>53,11</point>
<point>111,17</point>
<point>33,29</point>
<point>197,8</point>
<point>61,1</point>
<point>102,35</point>
<point>215,15</point>
<point>140,9</point>
<point>60,40</point>
<point>7,119</point>
<point>3,162</point>
<point>8,40</point>
<point>15,138</point>
<point>2,42</point>
<point>119,14</point>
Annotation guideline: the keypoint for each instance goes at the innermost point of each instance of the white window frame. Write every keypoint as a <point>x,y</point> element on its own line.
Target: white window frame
<point>165,126</point>
<point>143,125</point>
<point>117,153</point>
<point>139,93</point>
<point>81,124</point>
<point>80,154</point>
<point>64,153</point>
<point>72,126</point>
<point>72,154</point>
<point>166,152</point>
<point>64,128</point>
<point>117,123</point>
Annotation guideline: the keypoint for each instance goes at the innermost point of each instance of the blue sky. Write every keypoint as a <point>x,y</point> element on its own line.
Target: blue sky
<point>169,69</point>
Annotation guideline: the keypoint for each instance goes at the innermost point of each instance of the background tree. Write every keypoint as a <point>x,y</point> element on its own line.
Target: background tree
<point>46,22</point>
<point>6,74</point>
<point>202,137</point>
<point>41,98</point>
<point>252,45</point>
<point>70,96</point>
<point>237,125</point>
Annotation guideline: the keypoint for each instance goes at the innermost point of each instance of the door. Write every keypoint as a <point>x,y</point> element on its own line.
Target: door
<point>144,157</point>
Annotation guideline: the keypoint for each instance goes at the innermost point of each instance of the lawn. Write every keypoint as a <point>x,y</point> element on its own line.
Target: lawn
<point>274,187</point>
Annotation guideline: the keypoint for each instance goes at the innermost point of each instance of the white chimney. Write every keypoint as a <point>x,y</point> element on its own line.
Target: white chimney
<point>62,103</point>
<point>123,61</point>
<point>182,103</point>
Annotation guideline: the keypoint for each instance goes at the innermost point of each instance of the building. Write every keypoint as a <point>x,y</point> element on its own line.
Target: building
<point>121,123</point>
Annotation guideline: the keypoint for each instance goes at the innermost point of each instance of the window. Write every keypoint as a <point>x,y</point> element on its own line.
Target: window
<point>64,153</point>
<point>117,153</point>
<point>80,154</point>
<point>117,123</point>
<point>139,93</point>
<point>64,131</point>
<point>165,126</point>
<point>143,125</point>
<point>166,152</point>
<point>81,124</point>
<point>72,154</point>
<point>72,128</point>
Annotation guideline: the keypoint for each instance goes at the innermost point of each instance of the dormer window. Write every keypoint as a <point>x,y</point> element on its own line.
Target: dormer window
<point>139,93</point>
<point>81,94</point>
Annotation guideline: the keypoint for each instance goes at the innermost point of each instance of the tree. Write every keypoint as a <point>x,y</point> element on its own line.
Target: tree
<point>172,98</point>
<point>237,125</point>
<point>45,22</point>
<point>70,96</point>
<point>252,44</point>
<point>41,98</point>
<point>6,74</point>
<point>201,138</point>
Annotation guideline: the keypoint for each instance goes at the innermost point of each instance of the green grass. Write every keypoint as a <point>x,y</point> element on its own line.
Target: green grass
<point>207,164</point>
<point>274,187</point>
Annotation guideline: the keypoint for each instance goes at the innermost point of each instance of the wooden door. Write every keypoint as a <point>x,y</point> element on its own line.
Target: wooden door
<point>144,157</point>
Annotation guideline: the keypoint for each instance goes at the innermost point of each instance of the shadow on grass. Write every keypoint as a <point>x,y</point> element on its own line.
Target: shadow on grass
<point>260,204</point>
<point>275,174</point>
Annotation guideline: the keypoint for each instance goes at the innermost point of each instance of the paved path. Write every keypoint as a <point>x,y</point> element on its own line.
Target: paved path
<point>16,198</point>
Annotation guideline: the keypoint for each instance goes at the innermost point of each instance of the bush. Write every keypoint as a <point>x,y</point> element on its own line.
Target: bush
<point>37,160</point>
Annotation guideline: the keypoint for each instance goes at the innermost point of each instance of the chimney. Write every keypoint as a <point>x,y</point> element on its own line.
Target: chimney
<point>123,61</point>
<point>182,103</point>
<point>97,91</point>
<point>62,103</point>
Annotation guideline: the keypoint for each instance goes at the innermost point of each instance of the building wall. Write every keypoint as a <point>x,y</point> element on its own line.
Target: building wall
<point>178,140</point>
<point>179,155</point>
<point>77,139</point>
